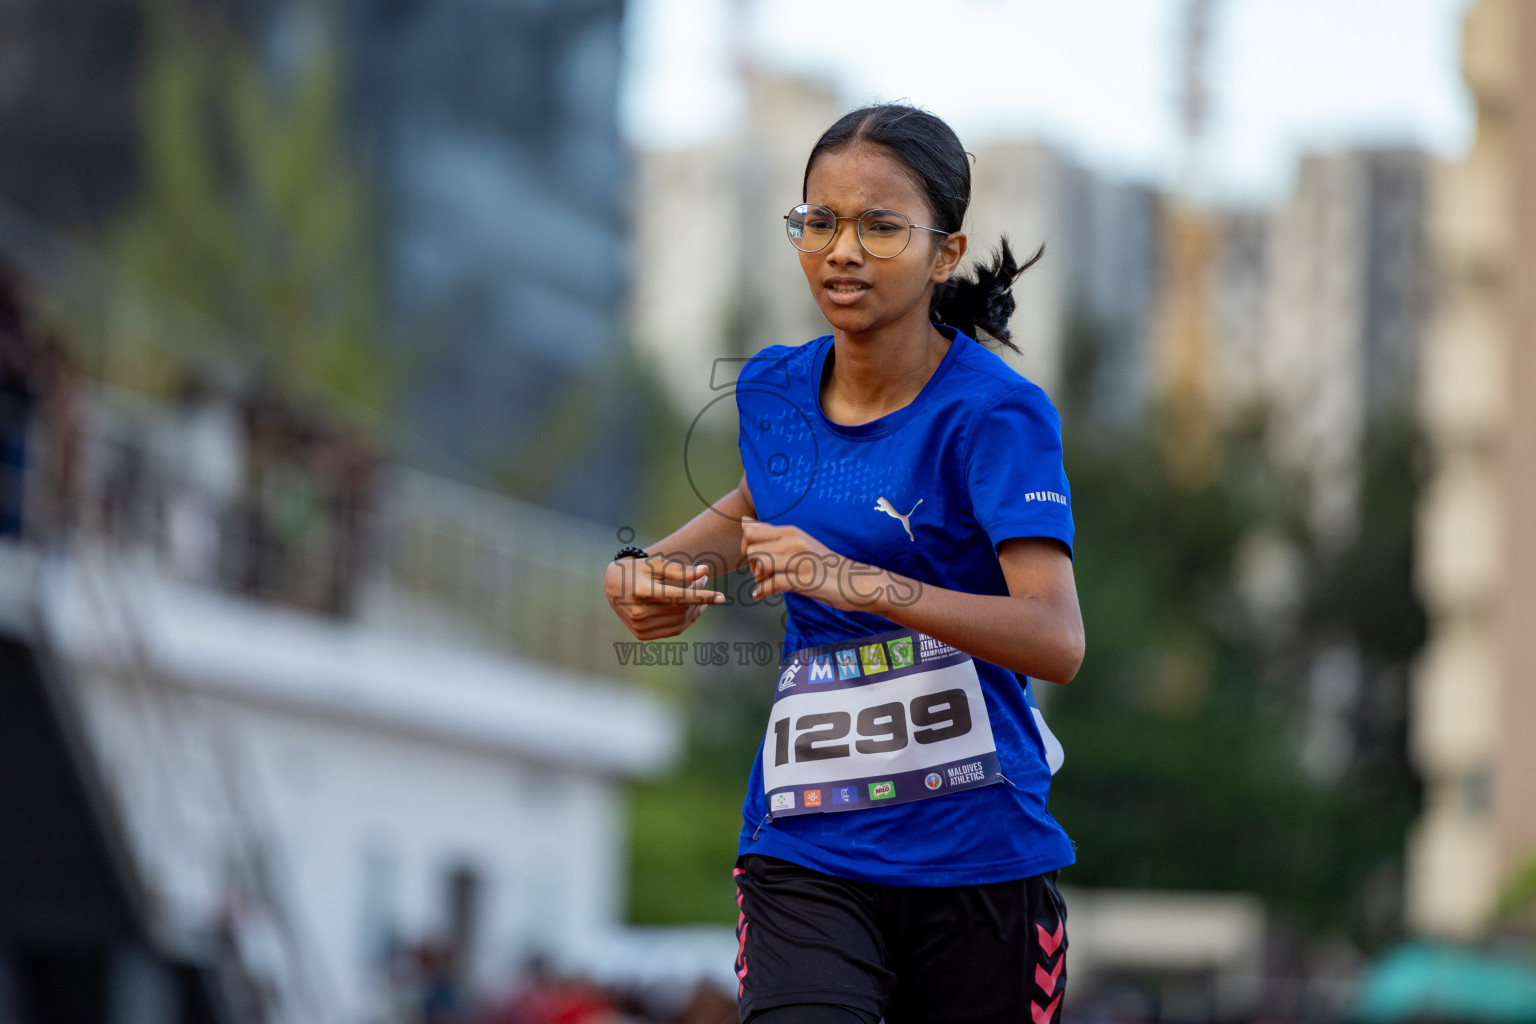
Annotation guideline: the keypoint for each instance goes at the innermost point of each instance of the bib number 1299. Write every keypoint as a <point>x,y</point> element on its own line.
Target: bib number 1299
<point>880,729</point>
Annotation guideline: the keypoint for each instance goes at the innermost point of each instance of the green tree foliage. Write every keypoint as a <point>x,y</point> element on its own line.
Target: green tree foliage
<point>1368,586</point>
<point>683,847</point>
<point>1182,729</point>
<point>251,209</point>
<point>1516,900</point>
<point>1182,769</point>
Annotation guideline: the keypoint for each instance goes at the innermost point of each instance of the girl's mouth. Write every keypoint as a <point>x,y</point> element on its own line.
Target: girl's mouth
<point>845,291</point>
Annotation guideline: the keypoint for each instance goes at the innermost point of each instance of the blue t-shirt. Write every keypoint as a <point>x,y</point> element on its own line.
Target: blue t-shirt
<point>980,448</point>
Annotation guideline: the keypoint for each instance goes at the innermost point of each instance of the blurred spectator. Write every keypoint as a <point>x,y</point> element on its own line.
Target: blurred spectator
<point>442,996</point>
<point>260,566</point>
<point>38,429</point>
<point>709,1005</point>
<point>17,399</point>
<point>306,502</point>
<point>347,470</point>
<point>232,486</point>
<point>205,448</point>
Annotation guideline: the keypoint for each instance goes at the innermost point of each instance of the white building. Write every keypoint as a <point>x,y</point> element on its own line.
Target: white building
<point>1237,294</point>
<point>714,274</point>
<point>1474,687</point>
<point>1348,280</point>
<point>1098,273</point>
<point>397,790</point>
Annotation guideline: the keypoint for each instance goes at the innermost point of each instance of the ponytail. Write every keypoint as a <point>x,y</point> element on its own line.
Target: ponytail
<point>932,152</point>
<point>983,303</point>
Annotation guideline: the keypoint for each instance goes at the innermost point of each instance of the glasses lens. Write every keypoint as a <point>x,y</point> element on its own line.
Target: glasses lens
<point>884,232</point>
<point>811,227</point>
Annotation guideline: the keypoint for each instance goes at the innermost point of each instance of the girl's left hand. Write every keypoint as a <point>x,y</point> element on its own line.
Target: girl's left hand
<point>786,559</point>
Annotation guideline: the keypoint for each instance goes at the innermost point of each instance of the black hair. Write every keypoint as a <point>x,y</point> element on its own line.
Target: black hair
<point>930,149</point>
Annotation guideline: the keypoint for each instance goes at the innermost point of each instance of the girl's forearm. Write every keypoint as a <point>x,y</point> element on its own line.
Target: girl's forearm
<point>712,538</point>
<point>1025,634</point>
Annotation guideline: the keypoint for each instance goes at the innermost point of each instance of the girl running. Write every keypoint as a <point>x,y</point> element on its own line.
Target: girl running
<point>904,491</point>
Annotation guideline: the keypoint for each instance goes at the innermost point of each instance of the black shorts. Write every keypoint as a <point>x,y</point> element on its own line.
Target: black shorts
<point>964,953</point>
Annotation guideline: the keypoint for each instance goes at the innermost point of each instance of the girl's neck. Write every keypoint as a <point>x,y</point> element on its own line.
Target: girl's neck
<point>874,373</point>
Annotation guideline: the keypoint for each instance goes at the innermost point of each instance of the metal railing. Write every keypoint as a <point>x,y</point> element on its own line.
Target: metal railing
<point>523,574</point>
<point>237,487</point>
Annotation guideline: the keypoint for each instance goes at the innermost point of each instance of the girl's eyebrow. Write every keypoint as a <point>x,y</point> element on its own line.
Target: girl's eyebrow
<point>861,213</point>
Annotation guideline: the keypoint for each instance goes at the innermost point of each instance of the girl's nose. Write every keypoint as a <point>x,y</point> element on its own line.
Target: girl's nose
<point>845,248</point>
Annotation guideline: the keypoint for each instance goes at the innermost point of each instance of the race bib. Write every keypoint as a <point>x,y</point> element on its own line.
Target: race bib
<point>883,719</point>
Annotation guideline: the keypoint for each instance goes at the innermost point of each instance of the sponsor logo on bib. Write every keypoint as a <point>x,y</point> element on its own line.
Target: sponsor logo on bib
<point>845,795</point>
<point>933,781</point>
<point>877,791</point>
<point>962,773</point>
<point>872,657</point>
<point>813,798</point>
<point>847,664</point>
<point>901,652</point>
<point>931,649</point>
<point>821,670</point>
<point>787,677</point>
<point>783,801</point>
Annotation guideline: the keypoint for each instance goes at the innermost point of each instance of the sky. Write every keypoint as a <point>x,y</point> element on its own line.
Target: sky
<point>1096,77</point>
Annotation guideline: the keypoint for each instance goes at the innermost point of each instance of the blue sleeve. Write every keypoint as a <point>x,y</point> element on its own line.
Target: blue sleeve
<point>1018,486</point>
<point>762,388</point>
<point>764,372</point>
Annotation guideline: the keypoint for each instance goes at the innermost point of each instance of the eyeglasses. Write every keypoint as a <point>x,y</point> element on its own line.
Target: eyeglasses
<point>884,234</point>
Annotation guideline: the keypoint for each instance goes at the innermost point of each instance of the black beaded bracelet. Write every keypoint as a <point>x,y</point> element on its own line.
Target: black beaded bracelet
<point>630,551</point>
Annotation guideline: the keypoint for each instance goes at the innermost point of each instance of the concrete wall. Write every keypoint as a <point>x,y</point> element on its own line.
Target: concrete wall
<point>1474,688</point>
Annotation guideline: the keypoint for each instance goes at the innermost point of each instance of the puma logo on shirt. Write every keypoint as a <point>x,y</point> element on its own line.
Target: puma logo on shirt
<point>883,505</point>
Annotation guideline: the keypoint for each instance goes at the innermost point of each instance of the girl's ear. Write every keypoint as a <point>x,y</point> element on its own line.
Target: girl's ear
<point>948,258</point>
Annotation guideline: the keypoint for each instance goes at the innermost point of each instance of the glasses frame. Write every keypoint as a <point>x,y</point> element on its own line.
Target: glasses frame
<point>858,229</point>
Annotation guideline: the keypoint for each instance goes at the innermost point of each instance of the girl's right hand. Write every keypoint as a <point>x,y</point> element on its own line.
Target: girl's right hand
<point>657,597</point>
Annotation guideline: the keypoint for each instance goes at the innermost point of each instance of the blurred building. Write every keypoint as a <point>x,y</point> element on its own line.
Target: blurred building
<point>406,795</point>
<point>492,128</point>
<point>1474,690</point>
<point>1345,311</point>
<point>1237,293</point>
<point>1191,956</point>
<point>1096,285</point>
<point>67,107</point>
<point>687,280</point>
<point>353,814</point>
<point>490,133</point>
<point>1308,317</point>
<point>714,274</point>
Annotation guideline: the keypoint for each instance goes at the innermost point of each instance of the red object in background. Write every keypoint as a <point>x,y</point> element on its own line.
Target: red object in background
<point>556,1003</point>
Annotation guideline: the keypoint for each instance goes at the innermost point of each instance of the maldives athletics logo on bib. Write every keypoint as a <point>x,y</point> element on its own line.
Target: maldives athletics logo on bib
<point>934,780</point>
